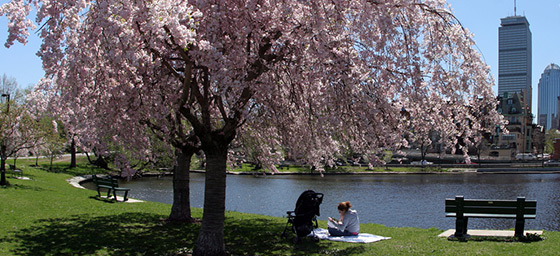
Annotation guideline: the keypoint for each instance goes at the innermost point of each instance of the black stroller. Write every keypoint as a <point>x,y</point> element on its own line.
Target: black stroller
<point>307,210</point>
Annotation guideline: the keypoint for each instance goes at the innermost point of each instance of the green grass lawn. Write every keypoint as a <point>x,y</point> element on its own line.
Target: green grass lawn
<point>47,216</point>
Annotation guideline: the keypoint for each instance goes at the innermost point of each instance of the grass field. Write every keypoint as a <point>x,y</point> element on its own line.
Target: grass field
<point>47,216</point>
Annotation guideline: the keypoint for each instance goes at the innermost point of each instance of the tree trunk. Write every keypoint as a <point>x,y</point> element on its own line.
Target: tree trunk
<point>181,209</point>
<point>3,157</point>
<point>478,158</point>
<point>211,237</point>
<point>73,154</point>
<point>100,161</point>
<point>423,152</point>
<point>3,181</point>
<point>51,158</point>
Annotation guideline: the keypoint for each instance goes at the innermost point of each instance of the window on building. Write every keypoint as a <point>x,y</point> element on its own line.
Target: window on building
<point>508,137</point>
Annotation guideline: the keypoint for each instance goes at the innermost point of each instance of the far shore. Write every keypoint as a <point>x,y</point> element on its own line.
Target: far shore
<point>378,172</point>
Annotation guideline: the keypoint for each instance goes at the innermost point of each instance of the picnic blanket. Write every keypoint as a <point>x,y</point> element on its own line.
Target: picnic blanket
<point>323,234</point>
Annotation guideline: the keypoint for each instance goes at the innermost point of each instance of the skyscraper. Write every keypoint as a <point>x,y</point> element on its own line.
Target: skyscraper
<point>549,91</point>
<point>514,58</point>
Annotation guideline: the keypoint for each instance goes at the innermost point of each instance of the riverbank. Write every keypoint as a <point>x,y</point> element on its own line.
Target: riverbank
<point>347,170</point>
<point>47,216</point>
<point>358,170</point>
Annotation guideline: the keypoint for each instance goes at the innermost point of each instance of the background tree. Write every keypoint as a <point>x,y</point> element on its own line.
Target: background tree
<point>19,131</point>
<point>8,85</point>
<point>482,144</point>
<point>539,141</point>
<point>53,139</point>
<point>550,136</point>
<point>53,135</point>
<point>312,76</point>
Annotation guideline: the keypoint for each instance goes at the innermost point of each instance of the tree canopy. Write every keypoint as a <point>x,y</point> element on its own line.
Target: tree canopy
<point>20,130</point>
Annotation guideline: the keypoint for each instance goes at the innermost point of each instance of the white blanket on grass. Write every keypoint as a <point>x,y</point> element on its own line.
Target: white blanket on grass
<point>322,233</point>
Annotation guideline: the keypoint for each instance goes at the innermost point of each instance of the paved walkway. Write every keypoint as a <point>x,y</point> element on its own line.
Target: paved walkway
<point>493,233</point>
<point>22,178</point>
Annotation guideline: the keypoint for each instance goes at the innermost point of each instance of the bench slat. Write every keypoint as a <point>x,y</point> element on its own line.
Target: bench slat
<point>496,210</point>
<point>488,202</point>
<point>106,183</point>
<point>484,215</point>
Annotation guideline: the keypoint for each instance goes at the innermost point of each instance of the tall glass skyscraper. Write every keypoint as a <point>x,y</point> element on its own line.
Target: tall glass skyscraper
<point>514,57</point>
<point>549,91</point>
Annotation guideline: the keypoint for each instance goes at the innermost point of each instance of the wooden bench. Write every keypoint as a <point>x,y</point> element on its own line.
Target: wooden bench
<point>111,184</point>
<point>15,172</point>
<point>463,209</point>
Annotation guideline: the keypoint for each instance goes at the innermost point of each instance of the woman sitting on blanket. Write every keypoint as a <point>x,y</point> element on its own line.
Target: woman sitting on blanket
<point>349,224</point>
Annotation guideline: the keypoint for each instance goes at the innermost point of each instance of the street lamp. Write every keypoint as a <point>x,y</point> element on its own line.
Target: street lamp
<point>7,95</point>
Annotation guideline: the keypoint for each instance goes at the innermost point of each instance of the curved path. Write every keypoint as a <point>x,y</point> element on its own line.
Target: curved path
<point>75,181</point>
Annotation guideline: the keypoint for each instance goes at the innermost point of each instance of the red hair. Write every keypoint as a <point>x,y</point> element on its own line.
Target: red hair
<point>344,206</point>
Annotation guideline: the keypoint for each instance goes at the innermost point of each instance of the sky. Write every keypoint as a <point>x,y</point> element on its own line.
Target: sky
<point>481,17</point>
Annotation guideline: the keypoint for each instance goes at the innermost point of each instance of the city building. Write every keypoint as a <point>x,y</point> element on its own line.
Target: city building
<point>520,125</point>
<point>548,92</point>
<point>514,57</point>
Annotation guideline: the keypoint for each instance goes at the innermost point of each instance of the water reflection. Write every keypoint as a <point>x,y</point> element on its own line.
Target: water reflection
<point>392,200</point>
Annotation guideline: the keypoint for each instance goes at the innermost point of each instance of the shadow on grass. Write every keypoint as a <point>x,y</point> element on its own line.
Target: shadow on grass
<point>261,236</point>
<point>122,234</point>
<point>149,234</point>
<point>25,187</point>
<point>105,200</point>
<point>81,169</point>
<point>526,239</point>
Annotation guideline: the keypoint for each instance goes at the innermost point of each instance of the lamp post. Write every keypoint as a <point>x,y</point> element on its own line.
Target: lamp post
<point>3,148</point>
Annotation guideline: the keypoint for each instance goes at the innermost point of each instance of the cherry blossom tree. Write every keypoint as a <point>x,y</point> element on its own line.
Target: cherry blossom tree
<point>19,132</point>
<point>306,78</point>
<point>53,139</point>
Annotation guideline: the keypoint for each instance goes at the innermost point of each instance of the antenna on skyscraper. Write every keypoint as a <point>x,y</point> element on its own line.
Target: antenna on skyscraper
<point>514,7</point>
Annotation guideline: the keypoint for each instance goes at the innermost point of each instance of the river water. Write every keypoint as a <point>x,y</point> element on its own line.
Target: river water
<point>396,200</point>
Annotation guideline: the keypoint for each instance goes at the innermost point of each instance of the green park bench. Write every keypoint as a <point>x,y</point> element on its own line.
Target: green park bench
<point>111,184</point>
<point>15,172</point>
<point>283,166</point>
<point>462,209</point>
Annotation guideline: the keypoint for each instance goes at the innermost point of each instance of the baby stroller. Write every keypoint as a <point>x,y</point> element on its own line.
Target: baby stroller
<point>306,211</point>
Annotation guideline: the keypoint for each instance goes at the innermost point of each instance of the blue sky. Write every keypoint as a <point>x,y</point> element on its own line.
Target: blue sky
<point>481,17</point>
